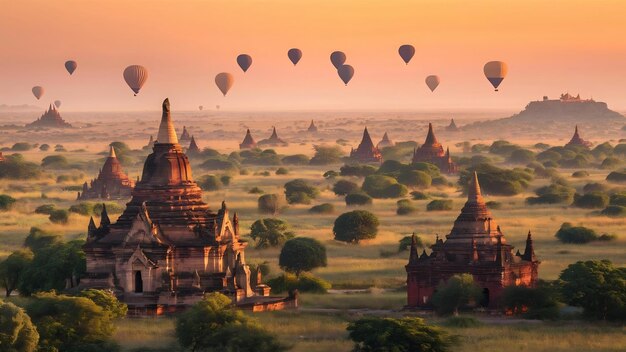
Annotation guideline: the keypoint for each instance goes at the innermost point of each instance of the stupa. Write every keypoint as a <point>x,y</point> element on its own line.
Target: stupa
<point>111,183</point>
<point>477,246</point>
<point>577,141</point>
<point>385,142</point>
<point>273,141</point>
<point>248,141</point>
<point>185,137</point>
<point>193,148</point>
<point>50,119</point>
<point>150,143</point>
<point>168,249</point>
<point>312,128</point>
<point>432,152</point>
<point>366,152</point>
<point>452,126</point>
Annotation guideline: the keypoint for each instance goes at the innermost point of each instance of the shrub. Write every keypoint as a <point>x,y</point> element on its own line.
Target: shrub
<point>616,176</point>
<point>324,208</point>
<point>358,199</point>
<point>378,186</point>
<point>602,150</point>
<point>439,205</point>
<point>299,191</point>
<point>55,162</point>
<point>610,163</point>
<point>298,159</point>
<point>615,211</point>
<point>270,232</point>
<point>269,204</point>
<point>405,243</point>
<point>330,174</point>
<point>355,226</point>
<point>21,147</point>
<point>357,170</point>
<point>282,171</point>
<point>595,187</point>
<point>618,199</point>
<point>415,178</point>
<point>256,190</point>
<point>552,194</point>
<point>592,200</point>
<point>15,167</point>
<point>6,202</point>
<point>344,187</point>
<point>457,292</point>
<point>417,195</point>
<point>531,303</point>
<point>575,234</point>
<point>521,156</point>
<point>492,204</point>
<point>502,148</point>
<point>326,155</point>
<point>44,147</point>
<point>19,334</point>
<point>106,300</point>
<point>302,254</point>
<point>59,216</point>
<point>497,181</point>
<point>82,208</point>
<point>225,179</point>
<point>44,209</point>
<point>405,207</point>
<point>218,164</point>
<point>305,283</point>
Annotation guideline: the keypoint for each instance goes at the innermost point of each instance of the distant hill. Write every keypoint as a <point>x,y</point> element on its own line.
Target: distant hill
<point>23,107</point>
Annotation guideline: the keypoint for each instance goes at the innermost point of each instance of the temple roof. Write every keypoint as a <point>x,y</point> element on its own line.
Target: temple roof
<point>312,127</point>
<point>248,140</point>
<point>193,146</point>
<point>366,141</point>
<point>185,135</point>
<point>112,152</point>
<point>385,142</point>
<point>577,140</point>
<point>431,140</point>
<point>167,133</point>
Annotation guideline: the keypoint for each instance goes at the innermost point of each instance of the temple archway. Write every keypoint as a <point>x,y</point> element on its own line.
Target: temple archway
<point>138,282</point>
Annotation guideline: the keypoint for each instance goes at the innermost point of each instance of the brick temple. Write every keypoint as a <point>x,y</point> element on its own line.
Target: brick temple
<point>385,142</point>
<point>452,127</point>
<point>475,245</point>
<point>273,141</point>
<point>168,248</point>
<point>312,128</point>
<point>193,148</point>
<point>366,152</point>
<point>432,152</point>
<point>50,119</point>
<point>248,141</point>
<point>577,141</point>
<point>111,183</point>
<point>185,137</point>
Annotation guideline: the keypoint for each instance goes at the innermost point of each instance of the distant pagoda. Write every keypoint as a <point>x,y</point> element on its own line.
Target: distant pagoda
<point>248,141</point>
<point>452,126</point>
<point>312,128</point>
<point>185,137</point>
<point>476,246</point>
<point>150,143</point>
<point>50,119</point>
<point>432,152</point>
<point>366,152</point>
<point>577,141</point>
<point>385,142</point>
<point>193,148</point>
<point>111,183</point>
<point>273,141</point>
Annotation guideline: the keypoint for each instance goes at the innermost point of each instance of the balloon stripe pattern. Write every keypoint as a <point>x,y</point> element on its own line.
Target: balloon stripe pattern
<point>135,76</point>
<point>495,71</point>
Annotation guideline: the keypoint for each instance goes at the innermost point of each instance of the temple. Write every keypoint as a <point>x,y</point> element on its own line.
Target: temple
<point>51,118</point>
<point>273,141</point>
<point>366,152</point>
<point>193,148</point>
<point>168,248</point>
<point>577,141</point>
<point>432,152</point>
<point>385,142</point>
<point>248,141</point>
<point>312,128</point>
<point>184,137</point>
<point>111,183</point>
<point>475,245</point>
<point>452,127</point>
<point>150,143</point>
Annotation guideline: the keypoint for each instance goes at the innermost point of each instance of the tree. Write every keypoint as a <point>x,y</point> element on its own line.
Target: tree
<point>325,155</point>
<point>12,269</point>
<point>6,202</point>
<point>209,183</point>
<point>531,302</point>
<point>302,254</point>
<point>355,226</point>
<point>59,216</point>
<point>213,324</point>
<point>344,187</point>
<point>17,332</point>
<point>597,200</point>
<point>415,178</point>
<point>456,293</point>
<point>305,283</point>
<point>405,334</point>
<point>299,191</point>
<point>598,287</point>
<point>270,232</point>
<point>269,204</point>
<point>439,205</point>
<point>324,208</point>
<point>358,199</point>
<point>106,300</point>
<point>575,234</point>
<point>379,186</point>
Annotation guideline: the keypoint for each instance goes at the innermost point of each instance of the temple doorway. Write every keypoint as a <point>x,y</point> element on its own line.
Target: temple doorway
<point>485,300</point>
<point>138,282</point>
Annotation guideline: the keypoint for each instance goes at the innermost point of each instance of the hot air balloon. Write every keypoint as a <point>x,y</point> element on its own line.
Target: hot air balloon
<point>432,82</point>
<point>217,107</point>
<point>406,52</point>
<point>244,61</point>
<point>200,107</point>
<point>338,58</point>
<point>70,66</point>
<point>135,76</point>
<point>345,73</point>
<point>57,103</point>
<point>294,55</point>
<point>495,71</point>
<point>224,82</point>
<point>38,92</point>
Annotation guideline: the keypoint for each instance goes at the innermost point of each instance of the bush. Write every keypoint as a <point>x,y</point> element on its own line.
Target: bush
<point>531,303</point>
<point>580,174</point>
<point>354,226</point>
<point>405,243</point>
<point>326,155</point>
<point>44,147</point>
<point>610,163</point>
<point>378,186</point>
<point>298,159</point>
<point>618,199</point>
<point>299,191</point>
<point>21,147</point>
<point>44,209</point>
<point>107,301</point>
<point>218,164</point>
<point>18,333</point>
<point>405,207</point>
<point>595,187</point>
<point>617,177</point>
<point>225,179</point>
<point>615,211</point>
<point>497,181</point>
<point>456,293</point>
<point>59,216</point>
<point>358,199</point>
<point>82,208</point>
<point>439,205</point>
<point>302,254</point>
<point>357,170</point>
<point>594,200</point>
<point>15,167</point>
<point>6,202</point>
<point>324,208</point>
<point>417,195</point>
<point>415,178</point>
<point>269,204</point>
<point>256,190</point>
<point>305,283</point>
<point>575,234</point>
<point>552,194</point>
<point>521,156</point>
<point>270,232</point>
<point>282,171</point>
<point>209,183</point>
<point>344,187</point>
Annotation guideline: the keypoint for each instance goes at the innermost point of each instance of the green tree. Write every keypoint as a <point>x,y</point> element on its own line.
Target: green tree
<point>532,302</point>
<point>325,155</point>
<point>59,216</point>
<point>209,183</point>
<point>12,269</point>
<point>324,208</point>
<point>355,226</point>
<point>575,234</point>
<point>299,191</point>
<point>213,324</point>
<point>106,300</point>
<point>458,291</point>
<point>405,334</point>
<point>415,178</point>
<point>6,202</point>
<point>344,187</point>
<point>270,232</point>
<point>598,287</point>
<point>17,332</point>
<point>379,186</point>
<point>358,199</point>
<point>269,204</point>
<point>302,254</point>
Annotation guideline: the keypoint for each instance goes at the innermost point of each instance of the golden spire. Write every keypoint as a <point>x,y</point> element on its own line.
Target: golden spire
<point>112,152</point>
<point>167,133</point>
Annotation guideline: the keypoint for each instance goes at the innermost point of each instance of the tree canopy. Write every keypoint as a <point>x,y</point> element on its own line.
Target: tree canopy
<point>355,226</point>
<point>456,293</point>
<point>17,332</point>
<point>270,232</point>
<point>302,254</point>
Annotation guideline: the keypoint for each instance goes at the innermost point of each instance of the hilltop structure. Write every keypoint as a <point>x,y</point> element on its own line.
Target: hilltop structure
<point>312,128</point>
<point>273,141</point>
<point>167,248</point>
<point>452,126</point>
<point>248,141</point>
<point>111,183</point>
<point>432,152</point>
<point>385,142</point>
<point>577,141</point>
<point>193,148</point>
<point>475,245</point>
<point>50,119</point>
<point>185,137</point>
<point>366,152</point>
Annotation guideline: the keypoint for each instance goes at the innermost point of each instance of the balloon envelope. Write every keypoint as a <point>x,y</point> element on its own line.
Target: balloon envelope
<point>338,58</point>
<point>135,76</point>
<point>224,82</point>
<point>57,103</point>
<point>406,52</point>
<point>70,66</point>
<point>200,107</point>
<point>38,92</point>
<point>432,82</point>
<point>294,55</point>
<point>244,61</point>
<point>345,73</point>
<point>495,71</point>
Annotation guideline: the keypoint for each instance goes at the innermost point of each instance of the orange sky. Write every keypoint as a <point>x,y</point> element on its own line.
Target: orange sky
<point>550,47</point>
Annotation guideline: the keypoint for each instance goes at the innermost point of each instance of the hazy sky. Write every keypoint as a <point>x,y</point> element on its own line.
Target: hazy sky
<point>550,47</point>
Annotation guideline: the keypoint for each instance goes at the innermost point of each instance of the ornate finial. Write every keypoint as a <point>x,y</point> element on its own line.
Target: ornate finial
<point>167,133</point>
<point>473,193</point>
<point>112,152</point>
